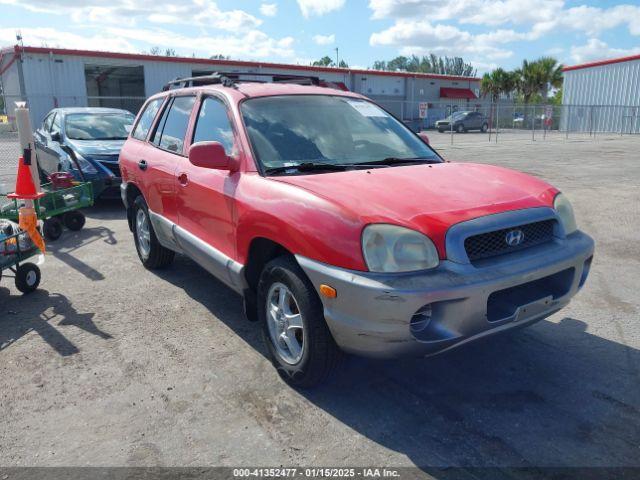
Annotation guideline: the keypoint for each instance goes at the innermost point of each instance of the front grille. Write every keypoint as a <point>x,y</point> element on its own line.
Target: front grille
<point>491,244</point>
<point>112,167</point>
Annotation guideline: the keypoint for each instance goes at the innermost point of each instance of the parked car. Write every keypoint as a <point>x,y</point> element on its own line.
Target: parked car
<point>86,142</point>
<point>340,227</point>
<point>463,122</point>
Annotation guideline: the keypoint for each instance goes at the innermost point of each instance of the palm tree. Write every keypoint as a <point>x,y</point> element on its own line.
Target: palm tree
<point>490,86</point>
<point>550,72</point>
<point>498,82</point>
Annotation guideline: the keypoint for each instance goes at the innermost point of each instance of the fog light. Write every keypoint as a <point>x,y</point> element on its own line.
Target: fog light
<point>328,291</point>
<point>421,318</point>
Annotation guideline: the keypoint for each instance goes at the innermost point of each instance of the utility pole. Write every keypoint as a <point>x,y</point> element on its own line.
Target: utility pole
<point>337,59</point>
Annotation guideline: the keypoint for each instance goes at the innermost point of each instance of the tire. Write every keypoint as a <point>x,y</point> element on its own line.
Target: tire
<point>484,128</point>
<point>319,353</point>
<point>74,221</point>
<point>440,130</point>
<point>152,255</point>
<point>52,228</point>
<point>460,129</point>
<point>27,277</point>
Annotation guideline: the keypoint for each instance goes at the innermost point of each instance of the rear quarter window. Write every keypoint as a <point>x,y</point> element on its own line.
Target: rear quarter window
<point>174,125</point>
<point>146,119</point>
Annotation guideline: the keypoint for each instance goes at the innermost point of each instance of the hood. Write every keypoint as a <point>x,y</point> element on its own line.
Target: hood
<point>427,198</point>
<point>96,147</point>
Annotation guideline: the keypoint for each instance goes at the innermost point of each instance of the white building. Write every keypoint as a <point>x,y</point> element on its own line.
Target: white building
<point>54,77</point>
<point>603,96</point>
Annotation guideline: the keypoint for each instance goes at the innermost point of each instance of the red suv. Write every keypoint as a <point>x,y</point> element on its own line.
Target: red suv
<point>341,228</point>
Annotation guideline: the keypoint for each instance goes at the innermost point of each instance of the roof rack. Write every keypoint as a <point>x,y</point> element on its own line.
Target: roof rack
<point>213,79</point>
<point>230,79</point>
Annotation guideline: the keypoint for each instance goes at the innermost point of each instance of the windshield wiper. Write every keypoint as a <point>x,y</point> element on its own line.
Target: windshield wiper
<point>397,161</point>
<point>308,167</point>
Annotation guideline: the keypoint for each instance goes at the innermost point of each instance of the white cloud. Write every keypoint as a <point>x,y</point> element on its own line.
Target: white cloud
<point>596,49</point>
<point>594,20</point>
<point>319,7</point>
<point>127,12</point>
<point>253,44</point>
<point>485,12</point>
<point>425,26</point>
<point>269,9</point>
<point>421,38</point>
<point>53,37</point>
<point>324,39</point>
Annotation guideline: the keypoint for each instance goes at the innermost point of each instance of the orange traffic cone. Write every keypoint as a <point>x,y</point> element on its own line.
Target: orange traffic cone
<point>28,221</point>
<point>25,188</point>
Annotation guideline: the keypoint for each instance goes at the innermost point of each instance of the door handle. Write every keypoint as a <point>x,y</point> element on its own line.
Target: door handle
<point>183,179</point>
<point>142,165</point>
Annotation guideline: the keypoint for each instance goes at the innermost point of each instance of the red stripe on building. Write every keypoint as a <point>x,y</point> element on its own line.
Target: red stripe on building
<point>208,61</point>
<point>600,63</point>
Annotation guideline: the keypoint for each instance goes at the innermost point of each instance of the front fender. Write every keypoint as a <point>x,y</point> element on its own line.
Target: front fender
<point>300,221</point>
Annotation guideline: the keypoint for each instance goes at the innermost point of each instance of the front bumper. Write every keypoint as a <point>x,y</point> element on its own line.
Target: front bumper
<point>423,313</point>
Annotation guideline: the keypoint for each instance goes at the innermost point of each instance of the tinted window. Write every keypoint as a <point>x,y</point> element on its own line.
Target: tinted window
<point>175,126</point>
<point>213,124</point>
<point>146,119</point>
<point>47,122</point>
<point>288,130</point>
<point>57,124</point>
<point>91,126</point>
<point>157,134</point>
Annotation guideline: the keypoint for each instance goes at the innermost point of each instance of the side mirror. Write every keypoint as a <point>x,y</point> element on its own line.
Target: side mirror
<point>210,155</point>
<point>55,136</point>
<point>424,137</point>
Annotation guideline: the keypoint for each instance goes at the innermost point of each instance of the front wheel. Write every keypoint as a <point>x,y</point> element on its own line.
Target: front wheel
<point>294,329</point>
<point>27,277</point>
<point>460,128</point>
<point>151,253</point>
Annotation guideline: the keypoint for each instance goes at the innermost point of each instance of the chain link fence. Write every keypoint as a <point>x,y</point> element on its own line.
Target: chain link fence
<point>499,121</point>
<point>507,121</point>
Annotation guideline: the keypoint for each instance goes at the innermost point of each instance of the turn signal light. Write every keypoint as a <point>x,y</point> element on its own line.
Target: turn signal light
<point>328,291</point>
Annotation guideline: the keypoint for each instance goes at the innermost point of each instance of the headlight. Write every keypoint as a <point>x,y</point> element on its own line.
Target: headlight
<point>85,165</point>
<point>565,211</point>
<point>389,248</point>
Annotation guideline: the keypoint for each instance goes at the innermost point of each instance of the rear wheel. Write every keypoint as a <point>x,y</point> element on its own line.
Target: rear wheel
<point>74,220</point>
<point>484,128</point>
<point>52,228</point>
<point>151,253</point>
<point>27,277</point>
<point>296,334</point>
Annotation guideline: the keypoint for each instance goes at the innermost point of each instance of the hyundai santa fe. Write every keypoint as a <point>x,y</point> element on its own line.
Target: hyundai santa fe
<point>342,229</point>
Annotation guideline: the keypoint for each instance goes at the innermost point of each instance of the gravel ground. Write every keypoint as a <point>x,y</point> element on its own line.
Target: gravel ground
<point>111,365</point>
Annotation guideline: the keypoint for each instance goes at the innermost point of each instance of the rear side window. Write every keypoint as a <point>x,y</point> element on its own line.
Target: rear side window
<point>146,119</point>
<point>47,122</point>
<point>57,124</point>
<point>174,127</point>
<point>213,124</point>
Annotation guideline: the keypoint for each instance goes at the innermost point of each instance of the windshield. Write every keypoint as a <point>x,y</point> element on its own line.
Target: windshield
<point>294,129</point>
<point>456,116</point>
<point>98,126</point>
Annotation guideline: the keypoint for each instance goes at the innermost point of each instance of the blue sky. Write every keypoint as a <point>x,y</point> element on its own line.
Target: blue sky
<point>488,33</point>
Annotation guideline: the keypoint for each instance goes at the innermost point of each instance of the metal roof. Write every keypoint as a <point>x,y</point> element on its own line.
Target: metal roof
<point>206,61</point>
<point>600,63</point>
